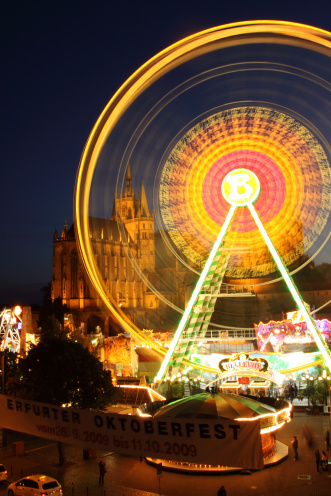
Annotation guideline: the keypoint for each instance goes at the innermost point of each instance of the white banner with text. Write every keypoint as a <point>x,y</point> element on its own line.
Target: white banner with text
<point>203,441</point>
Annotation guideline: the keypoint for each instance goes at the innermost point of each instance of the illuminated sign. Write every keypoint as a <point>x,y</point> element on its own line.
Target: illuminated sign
<point>240,187</point>
<point>242,362</point>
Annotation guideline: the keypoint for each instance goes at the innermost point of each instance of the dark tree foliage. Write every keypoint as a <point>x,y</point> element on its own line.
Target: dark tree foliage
<point>9,371</point>
<point>62,372</point>
<point>52,329</point>
<point>50,307</point>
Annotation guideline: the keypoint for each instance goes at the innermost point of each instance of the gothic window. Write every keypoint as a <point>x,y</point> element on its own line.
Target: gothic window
<point>106,266</point>
<point>129,213</point>
<point>64,288</point>
<point>73,274</point>
<point>86,288</point>
<point>115,268</point>
<point>63,264</point>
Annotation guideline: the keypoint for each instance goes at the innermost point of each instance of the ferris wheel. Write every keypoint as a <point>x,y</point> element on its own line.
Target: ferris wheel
<point>237,109</point>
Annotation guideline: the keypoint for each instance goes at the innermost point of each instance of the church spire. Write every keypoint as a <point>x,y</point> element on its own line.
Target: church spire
<point>65,228</point>
<point>143,202</point>
<point>128,183</point>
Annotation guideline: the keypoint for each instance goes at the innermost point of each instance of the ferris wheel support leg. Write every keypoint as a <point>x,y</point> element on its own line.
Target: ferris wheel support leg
<point>321,344</point>
<point>198,321</point>
<point>195,293</point>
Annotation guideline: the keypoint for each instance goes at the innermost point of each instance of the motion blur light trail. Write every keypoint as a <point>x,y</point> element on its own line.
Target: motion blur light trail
<point>295,179</point>
<point>253,95</point>
<point>241,188</point>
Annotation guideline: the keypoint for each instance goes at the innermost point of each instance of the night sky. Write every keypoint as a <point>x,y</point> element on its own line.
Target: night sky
<point>61,62</point>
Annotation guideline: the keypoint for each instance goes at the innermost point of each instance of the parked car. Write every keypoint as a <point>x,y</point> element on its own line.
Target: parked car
<point>3,472</point>
<point>35,485</point>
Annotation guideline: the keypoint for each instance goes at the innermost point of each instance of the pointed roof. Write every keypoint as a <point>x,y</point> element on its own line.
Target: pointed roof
<point>143,202</point>
<point>128,174</point>
<point>65,228</point>
<point>128,183</point>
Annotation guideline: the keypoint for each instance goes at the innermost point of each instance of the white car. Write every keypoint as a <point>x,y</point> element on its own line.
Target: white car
<point>36,485</point>
<point>3,472</point>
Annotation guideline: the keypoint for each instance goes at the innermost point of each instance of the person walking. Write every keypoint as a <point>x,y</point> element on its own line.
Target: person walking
<point>324,461</point>
<point>317,459</point>
<point>327,439</point>
<point>102,471</point>
<point>308,435</point>
<point>295,446</point>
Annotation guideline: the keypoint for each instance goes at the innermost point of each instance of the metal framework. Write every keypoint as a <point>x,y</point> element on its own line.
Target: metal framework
<point>10,325</point>
<point>196,318</point>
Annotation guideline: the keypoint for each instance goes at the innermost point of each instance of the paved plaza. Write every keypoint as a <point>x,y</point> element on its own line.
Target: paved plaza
<point>127,476</point>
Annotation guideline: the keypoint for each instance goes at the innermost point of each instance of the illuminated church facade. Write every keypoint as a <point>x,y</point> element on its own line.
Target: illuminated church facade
<point>159,266</point>
<point>70,282</point>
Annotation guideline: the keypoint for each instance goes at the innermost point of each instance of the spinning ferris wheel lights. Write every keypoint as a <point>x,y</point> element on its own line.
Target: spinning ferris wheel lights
<point>275,123</point>
<point>241,188</point>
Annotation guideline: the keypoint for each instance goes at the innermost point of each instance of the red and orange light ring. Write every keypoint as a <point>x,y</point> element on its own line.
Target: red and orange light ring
<point>293,171</point>
<point>287,33</point>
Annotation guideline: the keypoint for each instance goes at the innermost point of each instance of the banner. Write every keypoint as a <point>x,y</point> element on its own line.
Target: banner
<point>203,441</point>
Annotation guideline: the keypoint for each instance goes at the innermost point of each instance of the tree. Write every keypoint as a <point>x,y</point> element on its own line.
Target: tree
<point>78,336</point>
<point>50,308</point>
<point>62,372</point>
<point>58,371</point>
<point>9,371</point>
<point>51,329</point>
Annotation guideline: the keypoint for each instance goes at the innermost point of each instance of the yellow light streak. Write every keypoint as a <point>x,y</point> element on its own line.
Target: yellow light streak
<point>277,425</point>
<point>229,34</point>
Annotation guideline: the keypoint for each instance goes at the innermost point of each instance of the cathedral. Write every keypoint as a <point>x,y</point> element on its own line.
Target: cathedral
<point>145,309</point>
<point>158,266</point>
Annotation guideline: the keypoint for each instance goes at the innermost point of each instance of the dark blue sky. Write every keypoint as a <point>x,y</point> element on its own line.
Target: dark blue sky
<point>61,63</point>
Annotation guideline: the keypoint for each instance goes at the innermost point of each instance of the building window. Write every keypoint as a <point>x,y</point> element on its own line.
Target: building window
<point>73,278</point>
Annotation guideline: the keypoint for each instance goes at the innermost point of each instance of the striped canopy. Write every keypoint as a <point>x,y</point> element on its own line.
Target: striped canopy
<point>213,406</point>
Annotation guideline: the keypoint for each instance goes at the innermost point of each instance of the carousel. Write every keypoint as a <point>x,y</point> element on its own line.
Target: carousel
<point>271,413</point>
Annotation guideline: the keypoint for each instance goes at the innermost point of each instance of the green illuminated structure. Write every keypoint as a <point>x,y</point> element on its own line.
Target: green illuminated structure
<point>240,188</point>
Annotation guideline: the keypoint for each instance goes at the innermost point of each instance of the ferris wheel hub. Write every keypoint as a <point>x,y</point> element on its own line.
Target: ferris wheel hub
<point>241,187</point>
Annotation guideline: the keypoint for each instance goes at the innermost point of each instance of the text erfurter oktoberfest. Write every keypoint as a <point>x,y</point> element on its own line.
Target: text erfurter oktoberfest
<point>124,423</point>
